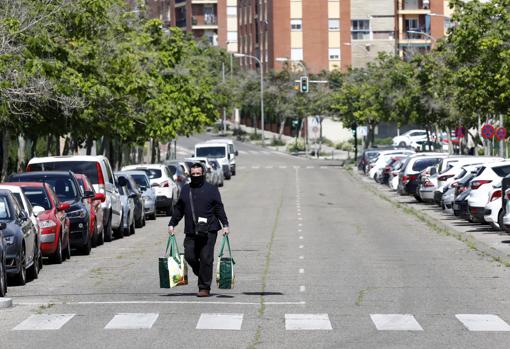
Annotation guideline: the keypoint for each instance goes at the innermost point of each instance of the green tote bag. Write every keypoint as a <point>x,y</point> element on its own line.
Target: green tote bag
<point>225,276</point>
<point>173,270</point>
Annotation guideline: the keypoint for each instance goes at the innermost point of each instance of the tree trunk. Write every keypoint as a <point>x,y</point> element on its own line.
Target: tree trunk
<point>65,151</point>
<point>21,153</point>
<point>49,143</point>
<point>282,128</point>
<point>33,148</point>
<point>5,153</point>
<point>88,144</point>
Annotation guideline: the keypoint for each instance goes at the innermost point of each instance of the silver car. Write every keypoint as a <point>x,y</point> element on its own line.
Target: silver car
<point>148,194</point>
<point>127,223</point>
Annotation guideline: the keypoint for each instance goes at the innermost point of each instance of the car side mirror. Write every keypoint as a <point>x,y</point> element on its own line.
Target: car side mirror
<point>143,188</point>
<point>23,215</point>
<point>37,210</point>
<point>100,196</point>
<point>237,153</point>
<point>3,225</point>
<point>132,195</point>
<point>88,194</point>
<point>63,206</point>
<point>122,181</point>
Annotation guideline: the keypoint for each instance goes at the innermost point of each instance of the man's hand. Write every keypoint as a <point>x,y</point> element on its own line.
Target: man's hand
<point>226,231</point>
<point>171,230</point>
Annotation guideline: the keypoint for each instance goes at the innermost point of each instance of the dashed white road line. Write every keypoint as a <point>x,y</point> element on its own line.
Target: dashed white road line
<point>300,238</point>
<point>395,322</point>
<point>307,322</point>
<point>483,322</point>
<point>132,321</point>
<point>302,288</point>
<point>301,246</point>
<point>301,257</point>
<point>301,271</point>
<point>213,321</point>
<point>41,322</point>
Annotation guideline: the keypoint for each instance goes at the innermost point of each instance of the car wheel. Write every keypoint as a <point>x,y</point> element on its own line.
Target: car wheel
<point>67,254</point>
<point>153,216</point>
<point>3,280</point>
<point>108,234</point>
<point>100,238</point>
<point>58,257</point>
<point>500,221</point>
<point>21,277</point>
<point>87,247</point>
<point>402,144</point>
<point>144,222</point>
<point>139,222</point>
<point>34,269</point>
<point>132,229</point>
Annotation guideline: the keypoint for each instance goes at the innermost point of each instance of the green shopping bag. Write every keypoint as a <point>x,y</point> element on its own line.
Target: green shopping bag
<point>225,276</point>
<point>173,270</point>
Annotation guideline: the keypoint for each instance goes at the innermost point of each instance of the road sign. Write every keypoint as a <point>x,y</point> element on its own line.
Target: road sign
<point>488,131</point>
<point>500,133</point>
<point>460,132</point>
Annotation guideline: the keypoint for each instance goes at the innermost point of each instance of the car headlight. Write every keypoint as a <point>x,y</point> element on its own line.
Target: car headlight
<point>81,213</point>
<point>47,224</point>
<point>9,240</point>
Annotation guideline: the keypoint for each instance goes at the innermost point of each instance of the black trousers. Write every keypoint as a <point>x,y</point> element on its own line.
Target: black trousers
<point>199,253</point>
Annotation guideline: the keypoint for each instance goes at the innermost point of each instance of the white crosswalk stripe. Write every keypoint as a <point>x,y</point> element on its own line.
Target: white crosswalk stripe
<point>483,322</point>
<point>307,322</point>
<point>132,321</point>
<point>42,322</point>
<point>213,321</point>
<point>395,322</point>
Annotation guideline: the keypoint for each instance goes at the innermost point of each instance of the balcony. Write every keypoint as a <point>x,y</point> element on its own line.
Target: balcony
<point>204,2</point>
<point>415,7</point>
<point>207,21</point>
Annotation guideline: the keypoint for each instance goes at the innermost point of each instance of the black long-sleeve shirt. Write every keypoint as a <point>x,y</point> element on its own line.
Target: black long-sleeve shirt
<point>207,204</point>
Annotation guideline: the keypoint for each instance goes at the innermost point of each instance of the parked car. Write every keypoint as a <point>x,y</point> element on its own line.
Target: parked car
<point>133,188</point>
<point>162,182</point>
<point>65,185</point>
<point>211,176</point>
<point>128,208</point>
<point>3,266</point>
<point>20,240</point>
<point>480,187</point>
<point>96,227</point>
<point>405,140</point>
<point>493,213</point>
<point>148,194</point>
<point>219,172</point>
<point>232,152</point>
<point>23,201</point>
<point>381,160</point>
<point>53,222</point>
<point>178,174</point>
<point>99,172</point>
<point>408,176</point>
<point>460,184</point>
<point>216,151</point>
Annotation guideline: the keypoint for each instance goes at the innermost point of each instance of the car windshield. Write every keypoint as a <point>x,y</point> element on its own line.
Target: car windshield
<point>152,173</point>
<point>422,164</point>
<point>141,180</point>
<point>4,208</point>
<point>502,171</point>
<point>172,169</point>
<point>88,168</point>
<point>62,186</point>
<point>211,152</point>
<point>37,197</point>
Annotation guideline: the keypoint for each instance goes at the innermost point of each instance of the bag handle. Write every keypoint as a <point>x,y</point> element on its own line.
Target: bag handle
<point>226,241</point>
<point>172,249</point>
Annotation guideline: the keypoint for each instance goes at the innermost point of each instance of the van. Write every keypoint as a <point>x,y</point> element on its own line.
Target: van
<point>216,151</point>
<point>99,172</point>
<point>232,152</point>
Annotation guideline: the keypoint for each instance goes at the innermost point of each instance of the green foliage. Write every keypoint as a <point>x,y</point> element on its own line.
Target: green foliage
<point>296,146</point>
<point>275,142</point>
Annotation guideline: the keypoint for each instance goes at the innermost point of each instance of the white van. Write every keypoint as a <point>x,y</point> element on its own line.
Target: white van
<point>217,151</point>
<point>232,152</point>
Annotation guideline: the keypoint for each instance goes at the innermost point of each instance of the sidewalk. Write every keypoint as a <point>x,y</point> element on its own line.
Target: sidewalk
<point>478,237</point>
<point>332,153</point>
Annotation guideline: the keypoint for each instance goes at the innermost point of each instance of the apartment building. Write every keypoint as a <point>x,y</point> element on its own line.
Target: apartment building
<point>324,34</point>
<point>420,23</point>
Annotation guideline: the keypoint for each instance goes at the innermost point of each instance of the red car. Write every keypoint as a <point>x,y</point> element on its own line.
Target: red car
<point>96,212</point>
<point>53,222</point>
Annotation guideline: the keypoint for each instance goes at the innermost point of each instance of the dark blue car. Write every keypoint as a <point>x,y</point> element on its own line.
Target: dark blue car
<point>3,270</point>
<point>67,188</point>
<point>19,239</point>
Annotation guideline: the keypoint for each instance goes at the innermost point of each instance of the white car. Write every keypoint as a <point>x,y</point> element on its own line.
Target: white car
<point>383,157</point>
<point>211,176</point>
<point>406,139</point>
<point>17,192</point>
<point>232,152</point>
<point>163,184</point>
<point>216,151</point>
<point>493,210</point>
<point>99,172</point>
<point>480,187</point>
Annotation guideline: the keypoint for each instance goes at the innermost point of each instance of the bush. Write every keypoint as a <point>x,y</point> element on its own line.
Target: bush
<point>326,141</point>
<point>384,141</point>
<point>345,146</point>
<point>276,142</point>
<point>296,146</point>
<point>255,137</point>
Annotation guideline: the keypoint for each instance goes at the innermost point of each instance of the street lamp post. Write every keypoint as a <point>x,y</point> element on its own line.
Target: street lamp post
<point>240,55</point>
<point>427,35</point>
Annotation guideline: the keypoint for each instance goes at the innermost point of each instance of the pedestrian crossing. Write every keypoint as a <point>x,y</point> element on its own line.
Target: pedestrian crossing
<point>292,322</point>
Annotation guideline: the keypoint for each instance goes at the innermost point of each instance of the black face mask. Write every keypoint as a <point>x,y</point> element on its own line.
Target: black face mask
<point>197,181</point>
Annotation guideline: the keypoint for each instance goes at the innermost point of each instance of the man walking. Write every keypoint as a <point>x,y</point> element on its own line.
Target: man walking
<point>201,206</point>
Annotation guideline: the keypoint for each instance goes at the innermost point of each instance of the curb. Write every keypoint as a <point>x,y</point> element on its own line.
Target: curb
<point>438,226</point>
<point>5,303</point>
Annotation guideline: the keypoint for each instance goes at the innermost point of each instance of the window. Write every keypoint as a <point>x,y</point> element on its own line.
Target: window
<point>296,54</point>
<point>231,11</point>
<point>360,29</point>
<point>334,25</point>
<point>232,36</point>
<point>296,25</point>
<point>334,54</point>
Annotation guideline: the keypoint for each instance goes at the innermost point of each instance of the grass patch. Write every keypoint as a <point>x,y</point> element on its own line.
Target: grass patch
<point>42,308</point>
<point>361,296</point>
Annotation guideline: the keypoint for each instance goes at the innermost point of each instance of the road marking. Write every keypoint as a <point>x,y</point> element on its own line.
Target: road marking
<point>243,152</point>
<point>300,225</point>
<point>301,257</point>
<point>38,322</point>
<point>324,167</point>
<point>300,230</point>
<point>266,152</point>
<point>299,213</point>
<point>255,167</point>
<point>161,302</point>
<point>301,271</point>
<point>301,238</point>
<point>301,246</point>
<point>307,322</point>
<point>241,167</point>
<point>212,321</point>
<point>132,321</point>
<point>269,167</point>
<point>483,322</point>
<point>296,167</point>
<point>395,322</point>
<point>302,288</point>
<point>310,166</point>
<point>283,167</point>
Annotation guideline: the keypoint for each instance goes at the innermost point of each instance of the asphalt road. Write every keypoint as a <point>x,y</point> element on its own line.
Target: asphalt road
<point>321,263</point>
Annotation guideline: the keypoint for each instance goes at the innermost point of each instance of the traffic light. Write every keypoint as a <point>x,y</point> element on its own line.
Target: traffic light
<point>303,84</point>
<point>295,123</point>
